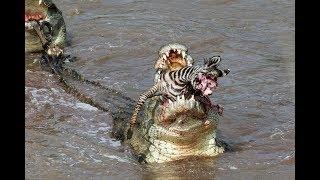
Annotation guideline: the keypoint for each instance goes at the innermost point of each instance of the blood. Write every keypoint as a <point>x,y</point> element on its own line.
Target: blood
<point>29,16</point>
<point>209,105</point>
<point>206,84</point>
<point>165,101</point>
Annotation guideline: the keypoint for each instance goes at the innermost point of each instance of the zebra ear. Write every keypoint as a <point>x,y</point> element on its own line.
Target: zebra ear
<point>212,62</point>
<point>215,60</point>
<point>205,61</point>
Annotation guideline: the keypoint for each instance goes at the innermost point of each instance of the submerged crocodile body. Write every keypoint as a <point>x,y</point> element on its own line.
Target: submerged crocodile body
<point>43,10</point>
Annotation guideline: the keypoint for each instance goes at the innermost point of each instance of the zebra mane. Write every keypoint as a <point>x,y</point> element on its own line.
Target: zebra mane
<point>211,62</point>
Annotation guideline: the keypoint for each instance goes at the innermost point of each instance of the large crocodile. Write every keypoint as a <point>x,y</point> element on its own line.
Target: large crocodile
<point>168,131</point>
<point>43,10</point>
<point>164,132</point>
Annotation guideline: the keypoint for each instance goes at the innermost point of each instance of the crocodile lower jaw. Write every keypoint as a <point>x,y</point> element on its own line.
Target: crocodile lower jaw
<point>162,151</point>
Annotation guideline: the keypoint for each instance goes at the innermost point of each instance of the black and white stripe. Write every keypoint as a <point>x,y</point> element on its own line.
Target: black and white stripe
<point>171,84</point>
<point>177,83</point>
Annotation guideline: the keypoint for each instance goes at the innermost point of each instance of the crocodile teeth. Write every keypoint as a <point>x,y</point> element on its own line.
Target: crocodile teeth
<point>183,53</point>
<point>181,104</point>
<point>191,104</point>
<point>164,57</point>
<point>180,100</point>
<point>207,122</point>
<point>197,104</point>
<point>189,60</point>
<point>167,53</point>
<point>192,98</point>
<point>178,51</point>
<point>171,107</point>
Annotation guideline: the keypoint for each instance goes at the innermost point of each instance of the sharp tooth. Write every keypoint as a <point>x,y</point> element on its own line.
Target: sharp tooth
<point>198,107</point>
<point>173,104</point>
<point>186,104</point>
<point>183,53</point>
<point>190,104</point>
<point>207,122</point>
<point>172,107</point>
<point>167,53</point>
<point>192,98</point>
<point>179,51</point>
<point>164,57</point>
<point>178,99</point>
<point>189,60</point>
<point>170,102</point>
<point>40,2</point>
<point>197,104</point>
<point>183,98</point>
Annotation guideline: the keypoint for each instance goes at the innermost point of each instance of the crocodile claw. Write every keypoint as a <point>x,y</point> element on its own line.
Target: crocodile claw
<point>129,133</point>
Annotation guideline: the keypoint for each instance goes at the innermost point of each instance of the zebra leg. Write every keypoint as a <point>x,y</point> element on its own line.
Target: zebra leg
<point>142,99</point>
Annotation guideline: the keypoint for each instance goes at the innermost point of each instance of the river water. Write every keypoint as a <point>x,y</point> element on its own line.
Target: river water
<point>117,43</point>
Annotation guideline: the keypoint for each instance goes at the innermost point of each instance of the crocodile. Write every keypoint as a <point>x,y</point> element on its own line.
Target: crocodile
<point>43,10</point>
<point>176,130</point>
<point>164,132</point>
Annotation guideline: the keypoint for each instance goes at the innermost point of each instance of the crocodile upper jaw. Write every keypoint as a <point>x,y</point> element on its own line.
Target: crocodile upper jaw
<point>173,57</point>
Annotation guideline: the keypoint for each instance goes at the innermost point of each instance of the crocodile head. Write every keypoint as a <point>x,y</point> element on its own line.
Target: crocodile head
<point>43,10</point>
<point>172,57</point>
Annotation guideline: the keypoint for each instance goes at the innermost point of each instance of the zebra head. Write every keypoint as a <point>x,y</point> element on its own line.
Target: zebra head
<point>212,62</point>
<point>211,67</point>
<point>206,80</point>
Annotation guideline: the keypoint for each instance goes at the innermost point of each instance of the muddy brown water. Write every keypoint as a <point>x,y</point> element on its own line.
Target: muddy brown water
<point>117,43</point>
